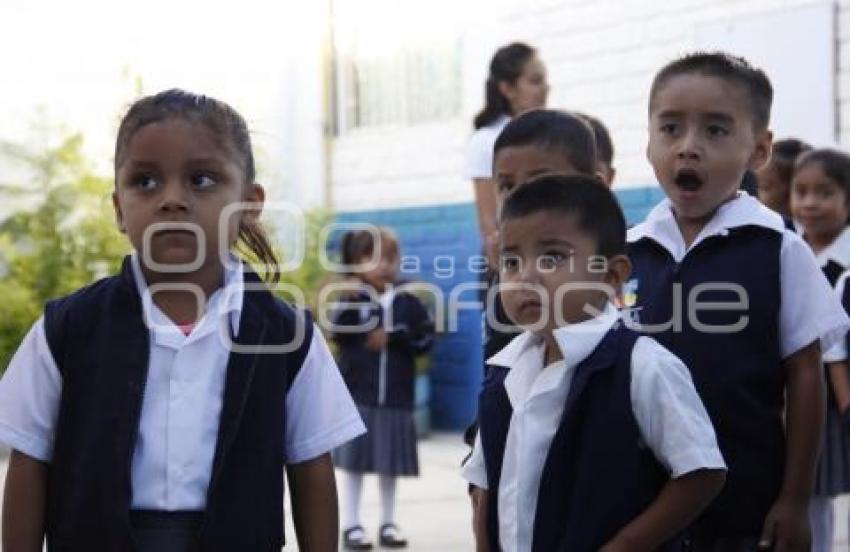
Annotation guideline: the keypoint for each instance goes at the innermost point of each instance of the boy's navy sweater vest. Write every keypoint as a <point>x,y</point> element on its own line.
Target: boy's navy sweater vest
<point>598,475</point>
<point>738,375</point>
<point>101,346</point>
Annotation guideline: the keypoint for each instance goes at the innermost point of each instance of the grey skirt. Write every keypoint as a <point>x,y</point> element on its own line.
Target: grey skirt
<point>387,448</point>
<point>833,476</point>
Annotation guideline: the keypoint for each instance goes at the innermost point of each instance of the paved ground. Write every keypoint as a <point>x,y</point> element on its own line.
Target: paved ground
<point>433,509</point>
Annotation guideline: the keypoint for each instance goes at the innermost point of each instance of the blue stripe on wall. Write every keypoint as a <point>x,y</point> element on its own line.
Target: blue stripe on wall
<point>442,235</point>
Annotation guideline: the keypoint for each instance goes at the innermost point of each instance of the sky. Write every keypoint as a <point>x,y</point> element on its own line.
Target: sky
<point>78,65</point>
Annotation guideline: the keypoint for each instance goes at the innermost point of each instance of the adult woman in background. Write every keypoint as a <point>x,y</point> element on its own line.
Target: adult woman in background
<point>515,83</point>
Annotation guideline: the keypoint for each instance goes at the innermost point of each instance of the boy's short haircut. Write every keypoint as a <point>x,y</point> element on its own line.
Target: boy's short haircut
<point>728,67</point>
<point>604,144</point>
<point>596,208</point>
<point>553,130</point>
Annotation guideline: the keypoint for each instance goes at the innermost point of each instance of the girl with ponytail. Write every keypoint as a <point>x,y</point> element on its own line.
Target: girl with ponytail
<point>516,83</point>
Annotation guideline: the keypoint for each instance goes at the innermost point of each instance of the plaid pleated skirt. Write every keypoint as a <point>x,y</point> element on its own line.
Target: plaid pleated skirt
<point>833,475</point>
<point>387,448</point>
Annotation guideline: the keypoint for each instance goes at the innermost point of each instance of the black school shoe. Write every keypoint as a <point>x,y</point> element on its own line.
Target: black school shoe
<point>354,538</point>
<point>390,536</point>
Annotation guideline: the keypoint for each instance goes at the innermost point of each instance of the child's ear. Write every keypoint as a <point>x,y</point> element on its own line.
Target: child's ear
<point>761,153</point>
<point>119,217</point>
<point>612,174</point>
<point>619,270</point>
<point>256,194</point>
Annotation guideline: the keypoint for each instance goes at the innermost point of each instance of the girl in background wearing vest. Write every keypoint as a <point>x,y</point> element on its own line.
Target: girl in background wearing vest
<point>380,330</point>
<point>820,203</point>
<point>155,410</point>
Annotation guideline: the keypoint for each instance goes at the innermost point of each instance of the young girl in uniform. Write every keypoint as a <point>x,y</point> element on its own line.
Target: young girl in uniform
<point>820,203</point>
<point>380,330</point>
<point>158,409</point>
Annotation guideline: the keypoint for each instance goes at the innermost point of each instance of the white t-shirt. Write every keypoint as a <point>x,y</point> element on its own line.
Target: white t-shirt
<point>178,428</point>
<point>479,150</point>
<point>670,416</point>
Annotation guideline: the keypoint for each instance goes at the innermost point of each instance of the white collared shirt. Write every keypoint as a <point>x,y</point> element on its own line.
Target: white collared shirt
<point>809,310</point>
<point>838,352</point>
<point>839,252</point>
<point>178,428</point>
<point>670,416</point>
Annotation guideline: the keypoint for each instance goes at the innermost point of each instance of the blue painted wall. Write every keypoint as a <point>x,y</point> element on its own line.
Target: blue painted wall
<point>452,231</point>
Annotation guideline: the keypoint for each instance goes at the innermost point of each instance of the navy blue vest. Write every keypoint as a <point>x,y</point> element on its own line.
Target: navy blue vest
<point>738,375</point>
<point>598,475</point>
<point>412,335</point>
<point>101,346</point>
<point>845,301</point>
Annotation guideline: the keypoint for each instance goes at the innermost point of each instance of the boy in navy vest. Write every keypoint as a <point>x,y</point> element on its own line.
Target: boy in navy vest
<point>591,437</point>
<point>720,282</point>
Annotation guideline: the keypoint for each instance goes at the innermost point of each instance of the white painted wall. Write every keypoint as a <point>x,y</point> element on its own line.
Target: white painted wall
<point>601,57</point>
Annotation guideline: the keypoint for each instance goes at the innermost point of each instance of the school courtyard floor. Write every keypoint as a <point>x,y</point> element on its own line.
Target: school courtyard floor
<point>433,510</point>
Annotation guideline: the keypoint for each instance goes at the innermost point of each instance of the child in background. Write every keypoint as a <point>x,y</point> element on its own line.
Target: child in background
<point>769,309</point>
<point>542,141</point>
<point>142,420</point>
<point>604,149</point>
<point>378,364</point>
<point>774,178</point>
<point>591,436</point>
<point>820,203</point>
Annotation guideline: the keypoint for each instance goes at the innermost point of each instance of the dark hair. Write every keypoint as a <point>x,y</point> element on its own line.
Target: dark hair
<point>505,66</point>
<point>594,205</point>
<point>604,144</point>
<point>356,244</point>
<point>553,130</point>
<point>226,125</point>
<point>784,155</point>
<point>728,67</point>
<point>834,164</point>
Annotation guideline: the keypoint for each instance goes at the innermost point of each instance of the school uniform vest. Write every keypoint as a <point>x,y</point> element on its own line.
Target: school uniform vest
<point>101,346</point>
<point>598,475</point>
<point>383,378</point>
<point>833,271</point>
<point>845,302</point>
<point>738,374</point>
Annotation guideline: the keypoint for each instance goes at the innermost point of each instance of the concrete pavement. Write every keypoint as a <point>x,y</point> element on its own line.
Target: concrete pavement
<point>433,510</point>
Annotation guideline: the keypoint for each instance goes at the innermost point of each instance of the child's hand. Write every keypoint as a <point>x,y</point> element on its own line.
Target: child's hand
<point>786,528</point>
<point>376,339</point>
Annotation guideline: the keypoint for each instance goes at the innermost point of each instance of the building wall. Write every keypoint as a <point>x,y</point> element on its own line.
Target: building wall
<point>601,56</point>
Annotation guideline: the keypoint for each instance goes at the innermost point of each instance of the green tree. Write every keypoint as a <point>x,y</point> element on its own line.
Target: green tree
<point>63,239</point>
